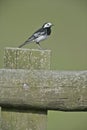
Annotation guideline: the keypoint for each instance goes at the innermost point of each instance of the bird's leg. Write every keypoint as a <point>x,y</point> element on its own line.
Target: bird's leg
<point>39,45</point>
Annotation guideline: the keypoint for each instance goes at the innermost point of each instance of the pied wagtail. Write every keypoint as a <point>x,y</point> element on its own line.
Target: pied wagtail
<point>39,35</point>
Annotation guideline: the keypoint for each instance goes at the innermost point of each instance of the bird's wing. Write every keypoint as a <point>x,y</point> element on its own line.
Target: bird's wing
<point>37,34</point>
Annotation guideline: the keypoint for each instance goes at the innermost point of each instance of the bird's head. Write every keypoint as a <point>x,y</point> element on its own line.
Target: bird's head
<point>47,25</point>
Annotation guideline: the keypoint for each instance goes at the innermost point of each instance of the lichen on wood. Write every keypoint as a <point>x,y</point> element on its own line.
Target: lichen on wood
<point>15,58</point>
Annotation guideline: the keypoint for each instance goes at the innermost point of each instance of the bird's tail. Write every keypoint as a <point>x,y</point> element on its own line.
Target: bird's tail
<point>23,44</point>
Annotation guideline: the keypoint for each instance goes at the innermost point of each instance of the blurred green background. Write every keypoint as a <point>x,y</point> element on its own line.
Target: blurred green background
<point>68,42</point>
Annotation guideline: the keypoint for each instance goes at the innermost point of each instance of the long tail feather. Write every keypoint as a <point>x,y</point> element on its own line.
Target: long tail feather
<point>26,42</point>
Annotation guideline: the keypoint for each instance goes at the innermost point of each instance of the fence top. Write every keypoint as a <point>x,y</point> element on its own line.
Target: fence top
<point>27,81</point>
<point>16,58</point>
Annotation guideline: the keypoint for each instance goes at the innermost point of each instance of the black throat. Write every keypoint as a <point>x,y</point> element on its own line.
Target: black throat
<point>48,31</point>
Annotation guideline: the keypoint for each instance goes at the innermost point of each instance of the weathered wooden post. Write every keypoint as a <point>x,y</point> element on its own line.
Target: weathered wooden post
<point>21,118</point>
<point>28,88</point>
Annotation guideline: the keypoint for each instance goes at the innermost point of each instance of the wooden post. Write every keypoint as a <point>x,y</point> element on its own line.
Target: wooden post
<point>15,58</point>
<point>19,118</point>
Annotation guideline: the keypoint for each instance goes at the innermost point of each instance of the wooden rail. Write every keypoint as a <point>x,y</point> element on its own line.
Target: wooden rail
<point>43,89</point>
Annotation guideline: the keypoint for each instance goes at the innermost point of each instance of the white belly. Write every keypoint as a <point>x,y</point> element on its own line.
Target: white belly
<point>40,38</point>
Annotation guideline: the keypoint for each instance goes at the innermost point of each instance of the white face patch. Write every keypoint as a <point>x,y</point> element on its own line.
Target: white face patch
<point>47,25</point>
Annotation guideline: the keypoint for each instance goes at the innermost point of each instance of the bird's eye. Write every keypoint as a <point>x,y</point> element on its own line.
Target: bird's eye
<point>47,24</point>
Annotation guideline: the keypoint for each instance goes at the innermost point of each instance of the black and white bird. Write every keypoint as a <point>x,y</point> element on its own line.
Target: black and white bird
<point>41,34</point>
